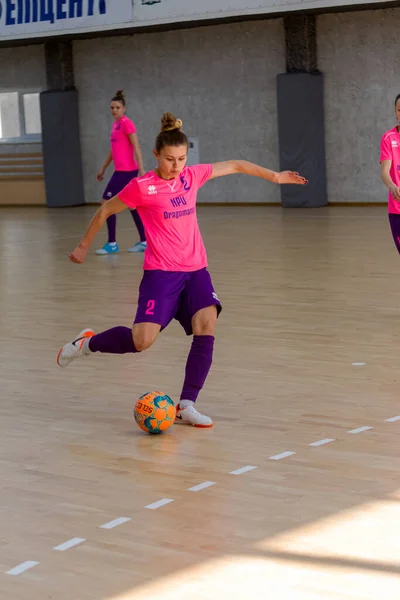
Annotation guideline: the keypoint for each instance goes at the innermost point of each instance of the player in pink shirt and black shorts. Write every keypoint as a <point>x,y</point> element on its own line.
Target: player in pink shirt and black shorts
<point>390,173</point>
<point>176,283</point>
<point>128,163</point>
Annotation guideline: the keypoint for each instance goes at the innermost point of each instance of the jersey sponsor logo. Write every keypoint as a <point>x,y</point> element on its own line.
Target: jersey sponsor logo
<point>178,201</point>
<point>395,144</point>
<point>177,214</point>
<point>151,190</point>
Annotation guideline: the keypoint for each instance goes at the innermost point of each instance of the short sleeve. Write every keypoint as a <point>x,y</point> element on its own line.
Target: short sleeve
<point>386,149</point>
<point>129,126</point>
<point>201,174</point>
<point>131,195</point>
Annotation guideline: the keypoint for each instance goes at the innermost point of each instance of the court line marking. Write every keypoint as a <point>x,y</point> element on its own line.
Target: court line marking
<point>69,544</point>
<point>360,429</point>
<point>25,566</point>
<point>323,442</point>
<point>159,503</point>
<point>281,456</point>
<point>115,523</point>
<point>242,470</point>
<point>358,364</point>
<point>201,486</point>
<point>21,568</point>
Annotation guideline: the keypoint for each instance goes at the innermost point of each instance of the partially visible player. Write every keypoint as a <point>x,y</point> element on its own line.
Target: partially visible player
<point>176,282</point>
<point>127,157</point>
<point>390,172</point>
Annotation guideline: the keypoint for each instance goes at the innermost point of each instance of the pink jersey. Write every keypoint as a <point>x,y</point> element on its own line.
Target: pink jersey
<point>122,150</point>
<point>390,150</point>
<point>168,212</point>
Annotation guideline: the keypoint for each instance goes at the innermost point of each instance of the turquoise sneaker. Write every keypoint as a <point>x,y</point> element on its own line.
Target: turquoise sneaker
<point>138,247</point>
<point>108,248</point>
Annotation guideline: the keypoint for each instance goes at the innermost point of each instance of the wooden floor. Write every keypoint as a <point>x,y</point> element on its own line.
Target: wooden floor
<point>306,294</point>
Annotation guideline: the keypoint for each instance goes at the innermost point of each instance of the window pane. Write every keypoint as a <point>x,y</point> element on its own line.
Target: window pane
<point>9,115</point>
<point>32,114</point>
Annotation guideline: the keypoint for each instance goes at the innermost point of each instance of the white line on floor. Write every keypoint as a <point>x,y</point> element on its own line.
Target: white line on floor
<point>115,523</point>
<point>282,455</point>
<point>29,564</point>
<point>159,503</point>
<point>201,486</point>
<point>242,470</point>
<point>360,429</point>
<point>322,442</point>
<point>25,566</point>
<point>69,544</point>
<point>357,364</point>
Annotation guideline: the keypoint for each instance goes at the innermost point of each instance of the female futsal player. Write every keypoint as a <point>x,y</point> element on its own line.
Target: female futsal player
<point>390,173</point>
<point>176,282</point>
<point>124,147</point>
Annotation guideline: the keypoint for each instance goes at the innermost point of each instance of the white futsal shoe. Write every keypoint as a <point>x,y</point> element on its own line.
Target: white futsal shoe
<point>187,413</point>
<point>75,349</point>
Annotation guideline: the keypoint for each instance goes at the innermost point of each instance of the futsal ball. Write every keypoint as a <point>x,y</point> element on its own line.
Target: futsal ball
<point>154,412</point>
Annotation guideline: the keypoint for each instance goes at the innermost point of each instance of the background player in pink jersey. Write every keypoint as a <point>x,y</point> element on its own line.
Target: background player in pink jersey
<point>126,154</point>
<point>390,173</point>
<point>176,283</point>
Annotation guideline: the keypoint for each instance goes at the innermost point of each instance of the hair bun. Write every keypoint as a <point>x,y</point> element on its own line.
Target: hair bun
<point>169,122</point>
<point>120,94</point>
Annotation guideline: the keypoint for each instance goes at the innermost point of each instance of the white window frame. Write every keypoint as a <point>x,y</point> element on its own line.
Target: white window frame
<point>25,138</point>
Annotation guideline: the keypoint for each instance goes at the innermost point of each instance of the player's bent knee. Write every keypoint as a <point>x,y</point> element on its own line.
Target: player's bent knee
<point>142,342</point>
<point>204,321</point>
<point>143,337</point>
<point>205,329</point>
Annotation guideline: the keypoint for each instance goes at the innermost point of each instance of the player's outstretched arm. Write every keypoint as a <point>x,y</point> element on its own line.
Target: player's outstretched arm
<point>111,207</point>
<point>231,167</point>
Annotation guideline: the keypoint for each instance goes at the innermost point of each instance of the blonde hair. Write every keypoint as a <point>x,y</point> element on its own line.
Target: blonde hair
<point>171,133</point>
<point>169,122</point>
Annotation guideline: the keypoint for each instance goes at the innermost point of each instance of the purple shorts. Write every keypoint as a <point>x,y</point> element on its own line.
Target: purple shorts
<point>394,220</point>
<point>167,295</point>
<point>118,181</point>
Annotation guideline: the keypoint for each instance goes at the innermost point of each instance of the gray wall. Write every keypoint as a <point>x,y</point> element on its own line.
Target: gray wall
<point>22,68</point>
<point>219,80</point>
<point>359,55</point>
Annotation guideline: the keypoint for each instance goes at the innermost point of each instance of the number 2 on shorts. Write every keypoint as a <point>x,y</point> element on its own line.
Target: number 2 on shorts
<point>150,307</point>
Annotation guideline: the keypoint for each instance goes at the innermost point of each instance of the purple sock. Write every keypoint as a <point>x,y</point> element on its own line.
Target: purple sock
<point>198,366</point>
<point>139,225</point>
<point>117,340</point>
<point>112,228</point>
